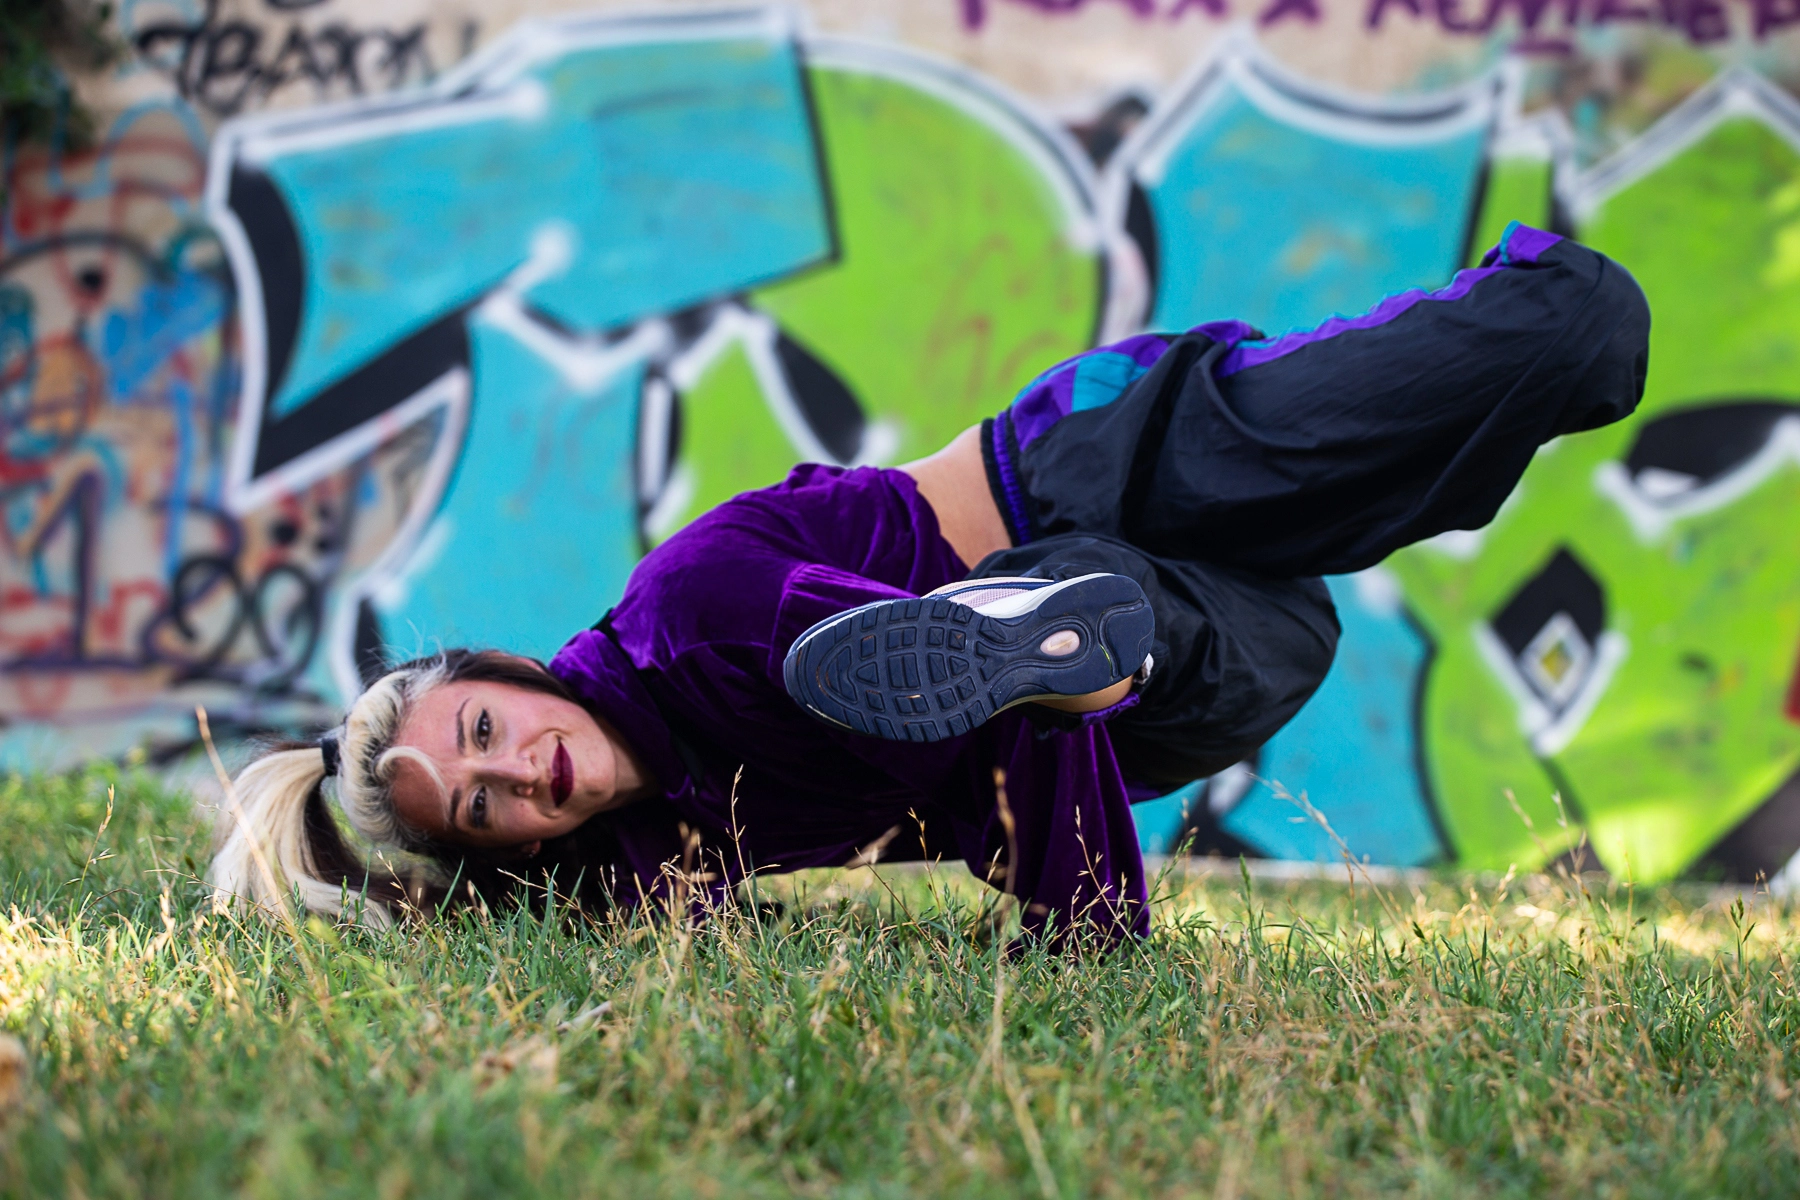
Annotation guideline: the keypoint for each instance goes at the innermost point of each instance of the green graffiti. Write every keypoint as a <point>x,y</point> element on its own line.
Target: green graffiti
<point>1518,189</point>
<point>1680,732</point>
<point>958,281</point>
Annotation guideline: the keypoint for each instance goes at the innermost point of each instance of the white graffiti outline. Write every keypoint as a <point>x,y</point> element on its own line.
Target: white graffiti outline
<point>1051,151</point>
<point>454,390</point>
<point>524,100</point>
<point>1735,92</point>
<point>1549,731</point>
<point>1786,882</point>
<point>1652,517</point>
<point>1050,148</point>
<point>1238,64</point>
<point>664,492</point>
<point>586,366</point>
<point>756,334</point>
<point>451,99</point>
<point>1240,61</point>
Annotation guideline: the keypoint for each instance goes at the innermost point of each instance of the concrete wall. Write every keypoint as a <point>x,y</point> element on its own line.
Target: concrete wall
<point>368,328</point>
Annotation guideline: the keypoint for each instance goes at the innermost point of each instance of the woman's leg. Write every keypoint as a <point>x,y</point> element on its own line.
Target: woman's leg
<point>1219,470</point>
<point>1236,653</point>
<point>1323,451</point>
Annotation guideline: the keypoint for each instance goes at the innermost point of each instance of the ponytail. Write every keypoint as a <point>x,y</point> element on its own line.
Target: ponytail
<point>279,840</point>
<point>280,836</point>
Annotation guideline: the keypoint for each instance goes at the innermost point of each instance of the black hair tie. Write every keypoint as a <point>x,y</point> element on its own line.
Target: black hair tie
<point>328,750</point>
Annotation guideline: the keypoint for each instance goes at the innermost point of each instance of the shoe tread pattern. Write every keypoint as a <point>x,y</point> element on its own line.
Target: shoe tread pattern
<point>929,669</point>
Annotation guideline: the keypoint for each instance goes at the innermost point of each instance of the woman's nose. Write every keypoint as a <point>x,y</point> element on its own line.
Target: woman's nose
<point>517,771</point>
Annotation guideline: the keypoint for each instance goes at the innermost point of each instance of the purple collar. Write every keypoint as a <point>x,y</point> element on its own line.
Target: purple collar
<point>598,671</point>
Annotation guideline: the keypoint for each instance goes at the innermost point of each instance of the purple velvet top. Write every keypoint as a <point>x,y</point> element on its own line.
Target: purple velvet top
<point>687,668</point>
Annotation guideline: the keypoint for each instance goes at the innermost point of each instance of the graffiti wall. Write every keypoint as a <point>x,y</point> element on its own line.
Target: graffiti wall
<point>361,331</point>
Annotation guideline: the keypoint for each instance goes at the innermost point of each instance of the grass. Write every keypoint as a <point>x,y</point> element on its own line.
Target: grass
<point>1505,1039</point>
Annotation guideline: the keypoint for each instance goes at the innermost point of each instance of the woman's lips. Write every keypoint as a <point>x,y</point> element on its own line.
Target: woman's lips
<point>562,776</point>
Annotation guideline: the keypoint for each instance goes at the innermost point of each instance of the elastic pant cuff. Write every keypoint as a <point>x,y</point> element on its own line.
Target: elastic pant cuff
<point>998,454</point>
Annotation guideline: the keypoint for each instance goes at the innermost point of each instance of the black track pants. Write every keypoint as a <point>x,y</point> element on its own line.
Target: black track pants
<point>1225,470</point>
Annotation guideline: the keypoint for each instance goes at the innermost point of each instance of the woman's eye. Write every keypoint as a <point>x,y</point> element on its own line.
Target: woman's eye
<point>483,728</point>
<point>478,808</point>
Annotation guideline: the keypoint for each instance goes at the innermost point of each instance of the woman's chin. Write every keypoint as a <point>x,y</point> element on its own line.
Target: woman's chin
<point>593,805</point>
<point>576,812</point>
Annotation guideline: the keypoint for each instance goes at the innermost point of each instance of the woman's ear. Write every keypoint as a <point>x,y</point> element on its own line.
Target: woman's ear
<point>530,849</point>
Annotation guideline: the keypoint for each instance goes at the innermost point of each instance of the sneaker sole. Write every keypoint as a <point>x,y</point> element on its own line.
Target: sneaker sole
<point>928,669</point>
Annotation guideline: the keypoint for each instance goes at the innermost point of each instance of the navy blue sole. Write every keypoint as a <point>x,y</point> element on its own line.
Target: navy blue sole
<point>924,670</point>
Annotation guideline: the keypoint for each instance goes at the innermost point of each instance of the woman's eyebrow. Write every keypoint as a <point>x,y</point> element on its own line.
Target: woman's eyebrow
<point>461,746</point>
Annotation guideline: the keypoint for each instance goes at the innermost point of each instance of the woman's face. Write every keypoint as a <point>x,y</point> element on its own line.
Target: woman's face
<point>518,767</point>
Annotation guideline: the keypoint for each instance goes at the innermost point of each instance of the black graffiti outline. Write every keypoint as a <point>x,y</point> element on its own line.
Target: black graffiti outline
<point>220,64</point>
<point>250,608</point>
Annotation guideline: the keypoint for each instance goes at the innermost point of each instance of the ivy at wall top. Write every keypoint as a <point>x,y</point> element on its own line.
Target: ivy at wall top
<point>40,42</point>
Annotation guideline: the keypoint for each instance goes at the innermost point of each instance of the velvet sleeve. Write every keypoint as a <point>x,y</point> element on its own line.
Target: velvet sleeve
<point>1071,854</point>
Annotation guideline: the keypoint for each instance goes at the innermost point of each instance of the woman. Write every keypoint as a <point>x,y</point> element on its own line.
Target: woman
<point>1146,521</point>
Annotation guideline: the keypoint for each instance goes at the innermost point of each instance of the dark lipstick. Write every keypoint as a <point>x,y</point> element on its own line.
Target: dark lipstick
<point>562,775</point>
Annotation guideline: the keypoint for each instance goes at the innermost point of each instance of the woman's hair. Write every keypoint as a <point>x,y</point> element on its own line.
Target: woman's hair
<point>281,838</point>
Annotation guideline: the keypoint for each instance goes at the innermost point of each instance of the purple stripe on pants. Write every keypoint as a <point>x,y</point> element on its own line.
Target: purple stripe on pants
<point>1520,244</point>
